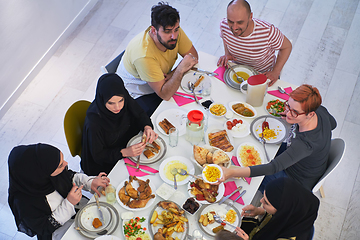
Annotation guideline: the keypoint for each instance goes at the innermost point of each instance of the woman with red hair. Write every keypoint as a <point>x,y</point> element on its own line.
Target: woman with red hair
<point>305,153</point>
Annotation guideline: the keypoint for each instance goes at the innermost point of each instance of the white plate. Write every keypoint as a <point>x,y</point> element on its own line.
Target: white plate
<point>107,237</point>
<point>214,129</point>
<point>274,123</point>
<point>221,211</point>
<point>88,215</point>
<point>176,117</point>
<point>245,132</point>
<point>135,185</point>
<point>246,105</point>
<point>211,149</point>
<point>274,109</point>
<point>252,145</point>
<point>143,224</point>
<point>164,166</point>
<point>221,191</point>
<point>189,76</point>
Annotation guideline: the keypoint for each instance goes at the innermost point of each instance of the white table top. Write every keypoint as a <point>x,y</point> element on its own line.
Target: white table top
<point>219,93</point>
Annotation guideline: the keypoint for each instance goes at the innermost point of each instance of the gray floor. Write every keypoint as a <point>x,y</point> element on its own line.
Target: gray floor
<point>325,36</point>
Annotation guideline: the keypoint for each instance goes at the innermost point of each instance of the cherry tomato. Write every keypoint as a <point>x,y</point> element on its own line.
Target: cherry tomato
<point>229,127</point>
<point>240,121</point>
<point>234,122</point>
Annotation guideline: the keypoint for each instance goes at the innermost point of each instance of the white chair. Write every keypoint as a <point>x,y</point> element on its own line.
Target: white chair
<point>337,150</point>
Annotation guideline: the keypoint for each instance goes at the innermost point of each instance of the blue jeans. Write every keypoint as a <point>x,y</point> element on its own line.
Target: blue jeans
<point>269,178</point>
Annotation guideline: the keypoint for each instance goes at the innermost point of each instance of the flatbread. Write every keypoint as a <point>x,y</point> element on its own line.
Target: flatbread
<point>200,154</point>
<point>220,157</point>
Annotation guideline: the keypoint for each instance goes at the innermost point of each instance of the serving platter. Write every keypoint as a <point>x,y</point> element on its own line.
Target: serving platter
<point>212,150</point>
<point>280,127</point>
<point>238,134</point>
<point>261,155</point>
<point>221,191</point>
<point>143,224</point>
<point>246,105</point>
<point>214,129</point>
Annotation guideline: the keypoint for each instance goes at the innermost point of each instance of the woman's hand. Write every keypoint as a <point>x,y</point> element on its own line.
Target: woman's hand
<point>241,233</point>
<point>150,134</point>
<point>75,194</point>
<point>100,181</point>
<point>134,150</point>
<point>252,211</point>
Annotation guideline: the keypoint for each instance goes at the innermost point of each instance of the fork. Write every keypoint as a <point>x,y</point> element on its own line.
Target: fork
<point>217,219</point>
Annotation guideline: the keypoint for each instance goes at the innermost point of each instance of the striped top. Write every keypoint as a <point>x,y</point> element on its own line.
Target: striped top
<point>256,50</point>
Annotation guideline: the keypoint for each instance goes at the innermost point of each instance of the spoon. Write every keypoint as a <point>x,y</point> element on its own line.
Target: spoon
<point>263,141</point>
<point>240,79</point>
<point>282,90</point>
<point>174,171</point>
<point>192,87</point>
<point>184,172</point>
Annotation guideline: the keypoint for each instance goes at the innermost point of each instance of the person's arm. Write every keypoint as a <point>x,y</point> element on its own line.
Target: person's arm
<point>282,57</point>
<point>225,58</point>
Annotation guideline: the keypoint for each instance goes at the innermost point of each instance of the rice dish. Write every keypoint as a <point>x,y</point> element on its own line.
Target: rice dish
<point>249,156</point>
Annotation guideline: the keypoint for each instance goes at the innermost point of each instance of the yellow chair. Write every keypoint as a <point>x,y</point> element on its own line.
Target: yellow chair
<point>73,125</point>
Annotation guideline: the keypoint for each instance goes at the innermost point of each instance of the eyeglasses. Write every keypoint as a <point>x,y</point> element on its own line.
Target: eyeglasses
<point>294,113</point>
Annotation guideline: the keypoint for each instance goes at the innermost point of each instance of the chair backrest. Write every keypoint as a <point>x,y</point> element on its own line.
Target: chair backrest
<point>113,65</point>
<point>73,125</point>
<point>337,150</point>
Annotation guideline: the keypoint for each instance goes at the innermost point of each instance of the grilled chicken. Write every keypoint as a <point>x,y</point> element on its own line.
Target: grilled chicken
<point>139,203</point>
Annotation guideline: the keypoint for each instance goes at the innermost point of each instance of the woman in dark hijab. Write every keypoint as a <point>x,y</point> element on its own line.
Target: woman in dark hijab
<point>43,192</point>
<point>289,212</point>
<point>112,119</point>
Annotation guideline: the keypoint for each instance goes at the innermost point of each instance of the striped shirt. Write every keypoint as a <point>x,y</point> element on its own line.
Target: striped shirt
<point>256,50</point>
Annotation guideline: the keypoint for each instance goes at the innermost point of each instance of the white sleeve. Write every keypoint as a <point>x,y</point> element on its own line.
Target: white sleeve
<point>83,179</point>
<point>62,209</point>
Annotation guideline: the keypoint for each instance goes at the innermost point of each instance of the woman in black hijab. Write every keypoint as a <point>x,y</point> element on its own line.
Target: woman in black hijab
<point>42,191</point>
<point>112,119</point>
<point>289,211</point>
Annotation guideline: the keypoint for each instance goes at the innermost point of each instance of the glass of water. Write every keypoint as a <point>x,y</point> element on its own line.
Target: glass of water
<point>110,194</point>
<point>173,137</point>
<point>206,88</point>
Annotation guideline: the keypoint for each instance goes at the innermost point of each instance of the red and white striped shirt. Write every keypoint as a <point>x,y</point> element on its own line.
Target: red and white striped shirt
<point>256,50</point>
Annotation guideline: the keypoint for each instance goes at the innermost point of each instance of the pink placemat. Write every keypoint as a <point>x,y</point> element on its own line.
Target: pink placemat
<point>278,94</point>
<point>220,71</point>
<point>229,188</point>
<point>133,172</point>
<point>182,101</point>
<point>236,162</point>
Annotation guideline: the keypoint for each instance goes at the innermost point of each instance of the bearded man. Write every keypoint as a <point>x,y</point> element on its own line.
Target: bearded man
<point>146,67</point>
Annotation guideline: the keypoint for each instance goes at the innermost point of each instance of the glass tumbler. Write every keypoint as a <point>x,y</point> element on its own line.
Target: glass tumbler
<point>173,137</point>
<point>206,88</point>
<point>110,194</point>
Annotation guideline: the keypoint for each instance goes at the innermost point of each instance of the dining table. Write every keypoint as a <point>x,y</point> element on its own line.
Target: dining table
<point>220,93</point>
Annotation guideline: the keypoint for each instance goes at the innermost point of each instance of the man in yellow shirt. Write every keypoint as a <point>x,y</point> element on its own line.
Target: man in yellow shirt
<point>146,65</point>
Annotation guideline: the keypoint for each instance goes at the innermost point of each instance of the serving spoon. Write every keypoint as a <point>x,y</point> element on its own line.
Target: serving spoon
<point>184,172</point>
<point>282,90</point>
<point>174,171</point>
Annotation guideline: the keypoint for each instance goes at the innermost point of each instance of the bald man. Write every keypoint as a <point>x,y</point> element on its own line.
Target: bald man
<point>253,42</point>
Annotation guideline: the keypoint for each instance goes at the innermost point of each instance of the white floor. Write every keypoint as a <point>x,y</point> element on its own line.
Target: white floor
<point>326,49</point>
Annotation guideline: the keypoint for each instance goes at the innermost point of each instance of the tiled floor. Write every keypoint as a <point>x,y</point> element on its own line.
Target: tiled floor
<point>325,36</point>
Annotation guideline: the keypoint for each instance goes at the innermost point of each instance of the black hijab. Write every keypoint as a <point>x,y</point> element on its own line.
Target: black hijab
<point>30,180</point>
<point>296,212</point>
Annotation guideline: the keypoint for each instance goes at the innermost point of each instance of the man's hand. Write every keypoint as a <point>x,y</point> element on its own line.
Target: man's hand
<point>134,150</point>
<point>224,59</point>
<point>75,194</point>
<point>100,181</point>
<point>187,63</point>
<point>273,76</point>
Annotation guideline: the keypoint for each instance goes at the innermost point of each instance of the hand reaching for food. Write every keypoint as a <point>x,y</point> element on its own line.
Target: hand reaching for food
<point>134,150</point>
<point>150,135</point>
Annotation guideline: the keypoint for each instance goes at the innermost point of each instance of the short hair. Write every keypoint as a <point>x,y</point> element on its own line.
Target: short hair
<point>225,234</point>
<point>163,15</point>
<point>308,97</point>
<point>243,3</point>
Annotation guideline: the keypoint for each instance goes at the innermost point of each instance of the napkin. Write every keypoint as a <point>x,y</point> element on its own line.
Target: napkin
<point>182,101</point>
<point>133,172</point>
<point>236,162</point>
<point>278,94</point>
<point>220,71</point>
<point>229,188</point>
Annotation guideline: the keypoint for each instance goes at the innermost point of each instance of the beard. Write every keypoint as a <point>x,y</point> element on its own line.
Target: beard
<point>171,44</point>
<point>237,33</point>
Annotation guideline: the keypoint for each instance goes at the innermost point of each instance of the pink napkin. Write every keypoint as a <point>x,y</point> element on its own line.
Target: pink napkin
<point>182,101</point>
<point>133,172</point>
<point>278,94</point>
<point>236,162</point>
<point>220,71</point>
<point>229,188</point>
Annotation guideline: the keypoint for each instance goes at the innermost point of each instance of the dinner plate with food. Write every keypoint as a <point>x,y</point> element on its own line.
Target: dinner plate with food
<point>208,224</point>
<point>135,227</point>
<point>210,155</point>
<point>173,117</point>
<point>249,155</point>
<point>197,79</point>
<point>178,162</point>
<point>273,129</point>
<point>274,107</point>
<point>205,193</point>
<point>153,152</point>
<point>242,70</point>
<point>217,136</point>
<point>135,193</point>
<point>166,215</point>
<point>237,127</point>
<point>242,109</point>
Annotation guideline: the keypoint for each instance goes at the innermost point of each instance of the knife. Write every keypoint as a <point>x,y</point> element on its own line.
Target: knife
<point>241,194</point>
<point>184,96</point>
<point>225,198</point>
<point>211,74</point>
<point>143,170</point>
<point>101,216</point>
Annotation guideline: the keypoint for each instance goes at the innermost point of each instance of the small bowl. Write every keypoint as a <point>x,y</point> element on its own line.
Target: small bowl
<point>195,202</point>
<point>165,191</point>
<point>215,105</point>
<point>211,166</point>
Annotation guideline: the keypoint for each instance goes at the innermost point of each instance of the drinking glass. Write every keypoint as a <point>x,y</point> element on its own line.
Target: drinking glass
<point>173,137</point>
<point>206,88</point>
<point>110,194</point>
<point>197,235</point>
